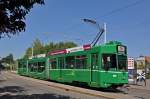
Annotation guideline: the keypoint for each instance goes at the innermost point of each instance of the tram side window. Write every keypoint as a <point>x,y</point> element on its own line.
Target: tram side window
<point>33,67</point>
<point>70,62</point>
<point>41,66</point>
<point>24,65</point>
<point>81,62</point>
<point>53,63</point>
<point>19,65</point>
<point>109,61</point>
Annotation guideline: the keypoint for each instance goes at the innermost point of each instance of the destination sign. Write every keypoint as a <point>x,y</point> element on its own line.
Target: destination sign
<point>121,49</point>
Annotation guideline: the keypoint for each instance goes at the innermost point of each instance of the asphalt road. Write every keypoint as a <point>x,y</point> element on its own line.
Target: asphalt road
<point>140,91</point>
<point>15,87</point>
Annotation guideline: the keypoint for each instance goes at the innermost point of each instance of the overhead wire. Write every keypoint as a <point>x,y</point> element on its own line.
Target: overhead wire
<point>111,12</point>
<point>121,8</point>
<point>108,13</point>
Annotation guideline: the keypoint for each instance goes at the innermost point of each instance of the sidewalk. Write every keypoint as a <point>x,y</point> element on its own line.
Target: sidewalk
<point>13,71</point>
<point>142,86</point>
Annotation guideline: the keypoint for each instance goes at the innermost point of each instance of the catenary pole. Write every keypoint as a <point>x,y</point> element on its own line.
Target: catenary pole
<point>105,39</point>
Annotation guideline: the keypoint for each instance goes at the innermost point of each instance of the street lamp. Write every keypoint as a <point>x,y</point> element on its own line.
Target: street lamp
<point>92,22</point>
<point>100,29</point>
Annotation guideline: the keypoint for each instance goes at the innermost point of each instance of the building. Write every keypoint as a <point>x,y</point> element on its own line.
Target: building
<point>140,62</point>
<point>130,63</point>
<point>147,63</point>
<point>136,66</point>
<point>131,70</point>
<point>143,63</point>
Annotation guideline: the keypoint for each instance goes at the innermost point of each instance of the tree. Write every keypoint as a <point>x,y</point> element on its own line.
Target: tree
<point>12,15</point>
<point>28,53</point>
<point>8,59</point>
<point>8,62</point>
<point>40,48</point>
<point>1,66</point>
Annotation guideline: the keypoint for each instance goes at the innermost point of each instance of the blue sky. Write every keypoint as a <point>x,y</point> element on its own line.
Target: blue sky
<point>60,20</point>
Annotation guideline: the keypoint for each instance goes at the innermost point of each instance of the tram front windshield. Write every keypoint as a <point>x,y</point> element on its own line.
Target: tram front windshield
<point>122,62</point>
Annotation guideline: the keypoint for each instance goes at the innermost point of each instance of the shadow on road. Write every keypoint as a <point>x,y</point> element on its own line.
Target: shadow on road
<point>34,96</point>
<point>11,89</point>
<point>122,90</point>
<point>2,80</point>
<point>11,92</point>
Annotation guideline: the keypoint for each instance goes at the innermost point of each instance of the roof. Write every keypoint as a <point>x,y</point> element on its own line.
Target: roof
<point>147,59</point>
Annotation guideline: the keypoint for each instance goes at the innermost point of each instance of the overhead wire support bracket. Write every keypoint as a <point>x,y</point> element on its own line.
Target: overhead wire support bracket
<point>99,34</point>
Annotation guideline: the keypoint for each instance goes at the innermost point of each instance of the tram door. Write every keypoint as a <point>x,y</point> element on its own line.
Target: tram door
<point>94,67</point>
<point>61,66</point>
<point>47,68</point>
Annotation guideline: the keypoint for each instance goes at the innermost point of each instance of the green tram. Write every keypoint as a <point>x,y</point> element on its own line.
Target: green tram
<point>99,66</point>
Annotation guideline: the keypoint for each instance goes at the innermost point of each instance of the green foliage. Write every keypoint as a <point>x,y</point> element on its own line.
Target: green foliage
<point>8,62</point>
<point>148,75</point>
<point>8,59</point>
<point>28,53</point>
<point>40,48</point>
<point>141,65</point>
<point>12,15</point>
<point>58,46</point>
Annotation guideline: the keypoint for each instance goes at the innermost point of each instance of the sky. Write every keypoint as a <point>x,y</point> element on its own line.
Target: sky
<point>128,21</point>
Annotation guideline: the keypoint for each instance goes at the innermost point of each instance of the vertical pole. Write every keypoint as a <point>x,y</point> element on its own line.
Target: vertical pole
<point>145,68</point>
<point>32,51</point>
<point>105,40</point>
<point>27,66</point>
